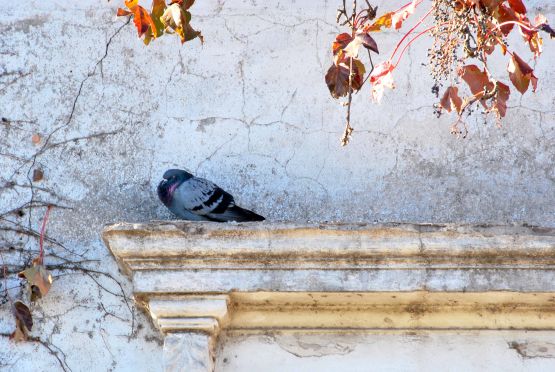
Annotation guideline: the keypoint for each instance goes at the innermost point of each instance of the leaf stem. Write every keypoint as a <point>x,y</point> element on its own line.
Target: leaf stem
<point>42,230</point>
<point>410,31</point>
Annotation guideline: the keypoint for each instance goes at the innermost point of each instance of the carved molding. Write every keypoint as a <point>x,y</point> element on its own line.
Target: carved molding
<point>196,278</point>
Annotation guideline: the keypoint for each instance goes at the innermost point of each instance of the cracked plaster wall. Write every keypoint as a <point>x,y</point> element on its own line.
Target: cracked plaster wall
<point>511,351</point>
<point>250,111</point>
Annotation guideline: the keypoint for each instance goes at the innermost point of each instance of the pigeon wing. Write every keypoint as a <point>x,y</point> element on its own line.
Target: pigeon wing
<point>203,197</point>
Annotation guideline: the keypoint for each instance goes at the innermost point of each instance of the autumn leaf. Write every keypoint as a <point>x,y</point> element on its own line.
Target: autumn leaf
<point>158,8</point>
<point>451,100</point>
<point>141,17</point>
<point>341,41</point>
<point>38,175</point>
<point>368,42</point>
<point>399,17</point>
<point>352,45</point>
<point>337,77</point>
<point>477,80</point>
<point>184,4</point>
<point>517,6</point>
<point>491,4</point>
<point>499,105</point>
<point>383,21</point>
<point>177,18</point>
<point>381,78</point>
<point>506,14</point>
<point>23,321</point>
<point>521,74</point>
<point>541,23</point>
<point>39,280</point>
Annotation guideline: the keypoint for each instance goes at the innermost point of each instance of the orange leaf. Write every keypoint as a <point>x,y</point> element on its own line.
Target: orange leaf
<point>131,3</point>
<point>477,80</point>
<point>142,20</point>
<point>521,74</point>
<point>383,21</point>
<point>123,12</point>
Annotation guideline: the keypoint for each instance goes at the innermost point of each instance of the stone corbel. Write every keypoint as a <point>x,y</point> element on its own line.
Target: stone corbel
<point>191,325</point>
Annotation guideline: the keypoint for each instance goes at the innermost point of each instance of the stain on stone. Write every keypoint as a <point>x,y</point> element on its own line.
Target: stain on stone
<point>533,349</point>
<point>304,346</point>
<point>203,123</point>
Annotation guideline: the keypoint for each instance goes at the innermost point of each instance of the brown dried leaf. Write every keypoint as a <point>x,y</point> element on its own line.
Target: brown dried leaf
<point>38,175</point>
<point>39,279</point>
<point>23,321</point>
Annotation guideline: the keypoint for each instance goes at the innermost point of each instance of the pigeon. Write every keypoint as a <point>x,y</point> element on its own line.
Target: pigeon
<point>196,199</point>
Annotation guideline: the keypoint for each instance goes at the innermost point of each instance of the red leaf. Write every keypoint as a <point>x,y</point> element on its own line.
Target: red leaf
<point>352,45</point>
<point>341,41</point>
<point>381,78</point>
<point>399,17</point>
<point>451,100</point>
<point>491,4</point>
<point>368,42</point>
<point>506,14</point>
<point>475,78</point>
<point>517,6</point>
<point>521,74</point>
<point>337,77</point>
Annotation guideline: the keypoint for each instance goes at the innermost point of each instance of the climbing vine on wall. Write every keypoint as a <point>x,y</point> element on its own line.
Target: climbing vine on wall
<point>465,34</point>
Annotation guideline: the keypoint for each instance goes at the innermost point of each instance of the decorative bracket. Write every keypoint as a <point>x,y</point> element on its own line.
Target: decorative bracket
<point>191,325</point>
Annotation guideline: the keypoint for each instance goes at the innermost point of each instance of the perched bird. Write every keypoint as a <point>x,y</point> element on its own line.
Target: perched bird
<point>197,199</point>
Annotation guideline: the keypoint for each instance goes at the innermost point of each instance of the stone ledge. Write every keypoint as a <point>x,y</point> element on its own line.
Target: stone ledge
<point>195,278</point>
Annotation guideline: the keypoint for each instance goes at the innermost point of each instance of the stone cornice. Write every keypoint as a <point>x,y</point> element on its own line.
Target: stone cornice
<point>198,278</point>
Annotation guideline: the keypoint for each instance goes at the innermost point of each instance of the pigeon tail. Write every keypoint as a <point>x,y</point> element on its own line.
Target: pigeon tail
<point>236,214</point>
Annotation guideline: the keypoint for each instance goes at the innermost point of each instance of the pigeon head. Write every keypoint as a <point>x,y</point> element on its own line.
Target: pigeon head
<point>176,174</point>
<point>172,179</point>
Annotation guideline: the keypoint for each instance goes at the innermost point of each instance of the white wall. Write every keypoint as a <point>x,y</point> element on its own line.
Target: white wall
<point>250,111</point>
